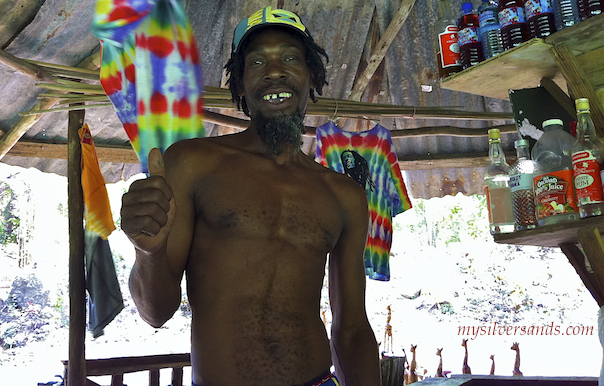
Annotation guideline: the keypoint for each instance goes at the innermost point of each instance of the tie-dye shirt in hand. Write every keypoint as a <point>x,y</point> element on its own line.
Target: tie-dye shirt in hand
<point>150,71</point>
<point>369,159</point>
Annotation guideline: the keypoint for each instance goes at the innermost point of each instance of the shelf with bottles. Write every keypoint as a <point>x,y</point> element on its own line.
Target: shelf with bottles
<point>525,65</point>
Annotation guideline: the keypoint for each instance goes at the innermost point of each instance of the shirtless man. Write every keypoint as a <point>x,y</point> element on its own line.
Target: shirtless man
<point>251,219</point>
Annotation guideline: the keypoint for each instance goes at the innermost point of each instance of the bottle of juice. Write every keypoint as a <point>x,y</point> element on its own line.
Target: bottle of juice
<point>512,19</point>
<point>470,46</point>
<point>587,153</point>
<point>540,18</point>
<point>553,180</point>
<point>497,187</point>
<point>449,61</point>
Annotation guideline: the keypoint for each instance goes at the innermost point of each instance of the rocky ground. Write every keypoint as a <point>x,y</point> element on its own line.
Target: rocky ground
<point>446,274</point>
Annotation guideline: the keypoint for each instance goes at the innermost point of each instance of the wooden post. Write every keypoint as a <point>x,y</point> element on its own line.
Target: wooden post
<point>76,372</point>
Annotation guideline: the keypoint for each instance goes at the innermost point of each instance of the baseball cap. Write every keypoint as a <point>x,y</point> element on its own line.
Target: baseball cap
<point>264,18</point>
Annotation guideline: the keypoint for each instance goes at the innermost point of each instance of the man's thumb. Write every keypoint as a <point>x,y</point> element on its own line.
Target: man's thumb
<point>156,163</point>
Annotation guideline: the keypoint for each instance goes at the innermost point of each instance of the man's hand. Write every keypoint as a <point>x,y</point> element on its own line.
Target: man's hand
<point>148,208</point>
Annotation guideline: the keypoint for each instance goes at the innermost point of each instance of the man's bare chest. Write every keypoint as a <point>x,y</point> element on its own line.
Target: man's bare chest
<point>297,209</point>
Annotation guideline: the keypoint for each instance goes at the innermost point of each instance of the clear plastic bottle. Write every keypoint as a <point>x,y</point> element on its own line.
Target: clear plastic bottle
<point>497,188</point>
<point>512,19</point>
<point>490,30</point>
<point>521,185</point>
<point>566,13</point>
<point>470,47</point>
<point>553,180</point>
<point>587,151</point>
<point>449,61</point>
<point>589,8</point>
<point>540,18</point>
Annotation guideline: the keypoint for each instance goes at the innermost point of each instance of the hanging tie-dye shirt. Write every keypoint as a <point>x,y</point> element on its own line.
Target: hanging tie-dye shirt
<point>150,71</point>
<point>369,159</point>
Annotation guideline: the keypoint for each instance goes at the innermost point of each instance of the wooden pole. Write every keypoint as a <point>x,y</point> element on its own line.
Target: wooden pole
<point>76,372</point>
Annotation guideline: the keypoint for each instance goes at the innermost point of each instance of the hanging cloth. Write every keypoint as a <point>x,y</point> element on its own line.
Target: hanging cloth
<point>104,295</point>
<point>369,159</point>
<point>151,72</point>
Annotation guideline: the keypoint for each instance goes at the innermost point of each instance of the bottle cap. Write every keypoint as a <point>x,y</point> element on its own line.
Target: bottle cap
<point>521,142</point>
<point>582,104</point>
<point>494,134</point>
<point>467,8</point>
<point>551,122</point>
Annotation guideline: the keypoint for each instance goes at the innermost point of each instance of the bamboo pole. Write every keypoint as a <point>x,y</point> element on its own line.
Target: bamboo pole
<point>76,372</point>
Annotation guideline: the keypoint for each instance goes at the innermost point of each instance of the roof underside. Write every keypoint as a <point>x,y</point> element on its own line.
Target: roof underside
<point>57,31</point>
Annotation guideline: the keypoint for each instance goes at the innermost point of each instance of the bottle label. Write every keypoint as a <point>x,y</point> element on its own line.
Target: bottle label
<point>554,193</point>
<point>588,183</point>
<point>520,182</point>
<point>468,35</point>
<point>512,15</point>
<point>487,17</point>
<point>449,47</point>
<point>534,8</point>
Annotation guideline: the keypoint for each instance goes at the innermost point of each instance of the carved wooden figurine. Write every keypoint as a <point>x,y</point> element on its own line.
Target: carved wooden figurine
<point>412,367</point>
<point>516,348</point>
<point>388,342</point>
<point>465,369</point>
<point>439,370</point>
<point>492,365</point>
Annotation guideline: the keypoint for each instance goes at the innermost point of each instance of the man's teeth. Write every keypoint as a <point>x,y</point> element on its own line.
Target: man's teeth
<point>281,96</point>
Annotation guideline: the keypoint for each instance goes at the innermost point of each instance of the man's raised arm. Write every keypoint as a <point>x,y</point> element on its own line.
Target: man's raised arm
<point>353,345</point>
<point>161,238</point>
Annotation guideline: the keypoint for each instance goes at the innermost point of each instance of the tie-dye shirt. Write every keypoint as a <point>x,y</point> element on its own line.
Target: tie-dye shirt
<point>150,71</point>
<point>368,158</point>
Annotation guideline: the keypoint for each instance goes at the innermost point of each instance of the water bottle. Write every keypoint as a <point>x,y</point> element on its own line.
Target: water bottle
<point>540,18</point>
<point>512,20</point>
<point>490,32</point>
<point>589,8</point>
<point>566,13</point>
<point>553,181</point>
<point>470,47</point>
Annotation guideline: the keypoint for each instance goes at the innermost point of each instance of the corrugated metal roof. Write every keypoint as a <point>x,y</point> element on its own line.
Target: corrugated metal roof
<point>60,34</point>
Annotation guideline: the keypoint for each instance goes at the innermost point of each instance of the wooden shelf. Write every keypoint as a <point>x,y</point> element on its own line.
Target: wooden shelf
<point>525,65</point>
<point>551,235</point>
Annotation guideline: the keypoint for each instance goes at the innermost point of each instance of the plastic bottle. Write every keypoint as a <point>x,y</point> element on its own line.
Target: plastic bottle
<point>449,61</point>
<point>490,30</point>
<point>470,47</point>
<point>587,152</point>
<point>540,18</point>
<point>512,20</point>
<point>566,13</point>
<point>553,180</point>
<point>497,188</point>
<point>589,8</point>
<point>521,185</point>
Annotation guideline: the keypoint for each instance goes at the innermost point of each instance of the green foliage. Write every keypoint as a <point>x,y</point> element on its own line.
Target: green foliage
<point>9,221</point>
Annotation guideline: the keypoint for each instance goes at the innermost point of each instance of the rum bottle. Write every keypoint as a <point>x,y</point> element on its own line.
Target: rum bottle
<point>497,188</point>
<point>521,185</point>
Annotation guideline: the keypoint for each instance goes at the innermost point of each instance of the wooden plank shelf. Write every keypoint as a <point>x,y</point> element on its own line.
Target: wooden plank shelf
<point>525,65</point>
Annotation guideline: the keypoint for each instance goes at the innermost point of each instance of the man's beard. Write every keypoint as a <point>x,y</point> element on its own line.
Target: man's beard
<point>281,133</point>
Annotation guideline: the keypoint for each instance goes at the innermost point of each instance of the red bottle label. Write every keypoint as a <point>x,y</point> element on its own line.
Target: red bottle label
<point>554,193</point>
<point>449,47</point>
<point>588,185</point>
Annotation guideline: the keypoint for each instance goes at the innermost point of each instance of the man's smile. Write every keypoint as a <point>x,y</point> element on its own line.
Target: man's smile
<point>277,97</point>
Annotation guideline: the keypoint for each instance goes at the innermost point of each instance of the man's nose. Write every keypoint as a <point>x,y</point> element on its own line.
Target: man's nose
<point>275,71</point>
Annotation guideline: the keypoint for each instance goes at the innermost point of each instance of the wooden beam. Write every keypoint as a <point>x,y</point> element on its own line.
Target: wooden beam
<point>448,161</point>
<point>577,260</point>
<point>560,96</point>
<point>578,83</point>
<point>381,49</point>
<point>26,68</point>
<point>77,282</point>
<point>10,138</point>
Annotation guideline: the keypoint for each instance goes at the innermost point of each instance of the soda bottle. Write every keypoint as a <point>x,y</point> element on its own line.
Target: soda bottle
<point>587,152</point>
<point>449,61</point>
<point>589,8</point>
<point>497,188</point>
<point>470,47</point>
<point>540,18</point>
<point>521,185</point>
<point>490,30</point>
<point>566,13</point>
<point>553,180</point>
<point>512,20</point>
